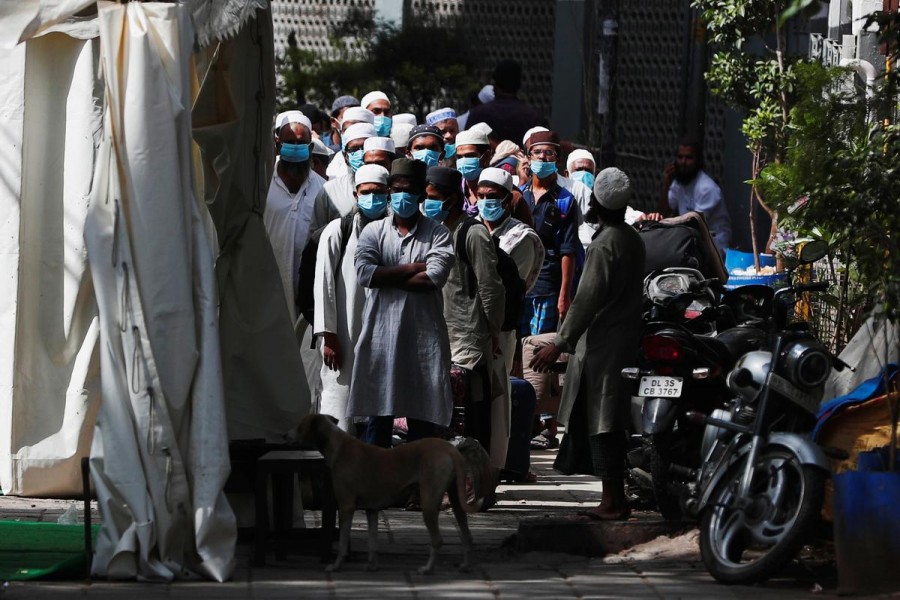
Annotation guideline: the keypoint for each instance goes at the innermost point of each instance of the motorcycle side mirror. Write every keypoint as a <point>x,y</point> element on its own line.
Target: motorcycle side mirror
<point>813,251</point>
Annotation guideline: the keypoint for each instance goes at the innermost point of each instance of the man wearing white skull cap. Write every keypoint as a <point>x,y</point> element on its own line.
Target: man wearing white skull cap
<point>339,299</point>
<point>336,198</point>
<point>289,202</point>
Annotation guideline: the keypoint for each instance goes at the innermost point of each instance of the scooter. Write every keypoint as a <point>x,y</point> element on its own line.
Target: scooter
<point>761,483</point>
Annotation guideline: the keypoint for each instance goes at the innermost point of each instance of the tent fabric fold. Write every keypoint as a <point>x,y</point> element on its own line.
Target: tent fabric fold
<point>267,392</point>
<point>159,457</point>
<point>51,111</point>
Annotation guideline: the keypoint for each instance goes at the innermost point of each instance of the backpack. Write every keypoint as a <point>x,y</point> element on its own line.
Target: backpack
<point>509,275</point>
<point>305,300</point>
<point>670,245</point>
<point>564,204</point>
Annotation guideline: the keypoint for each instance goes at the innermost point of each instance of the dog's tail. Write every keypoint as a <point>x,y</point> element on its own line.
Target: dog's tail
<point>459,467</point>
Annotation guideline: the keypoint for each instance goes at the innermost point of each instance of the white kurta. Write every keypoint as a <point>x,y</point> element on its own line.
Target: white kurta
<point>402,365</point>
<point>339,310</point>
<point>334,200</point>
<point>287,217</point>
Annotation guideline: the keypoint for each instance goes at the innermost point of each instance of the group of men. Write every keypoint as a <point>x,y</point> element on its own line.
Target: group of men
<point>414,224</point>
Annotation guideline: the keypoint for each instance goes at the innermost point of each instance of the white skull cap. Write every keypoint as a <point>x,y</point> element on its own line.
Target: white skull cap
<point>481,127</point>
<point>358,113</point>
<point>579,154</point>
<point>400,134</point>
<point>357,131</point>
<point>612,188</point>
<point>319,148</point>
<point>371,174</point>
<point>291,116</point>
<point>405,118</point>
<point>497,176</point>
<point>379,143</point>
<point>372,97</point>
<point>441,114</point>
<point>471,137</point>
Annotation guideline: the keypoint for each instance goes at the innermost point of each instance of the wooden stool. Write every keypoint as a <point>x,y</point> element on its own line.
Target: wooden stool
<point>281,466</point>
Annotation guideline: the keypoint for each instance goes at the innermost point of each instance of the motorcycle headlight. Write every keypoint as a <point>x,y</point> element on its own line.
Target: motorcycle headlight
<point>807,364</point>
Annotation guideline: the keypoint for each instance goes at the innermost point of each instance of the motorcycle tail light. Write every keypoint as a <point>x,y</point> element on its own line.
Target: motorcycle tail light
<point>658,347</point>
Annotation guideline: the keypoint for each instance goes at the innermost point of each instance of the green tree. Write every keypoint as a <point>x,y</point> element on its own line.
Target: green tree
<point>421,66</point>
<point>751,73</point>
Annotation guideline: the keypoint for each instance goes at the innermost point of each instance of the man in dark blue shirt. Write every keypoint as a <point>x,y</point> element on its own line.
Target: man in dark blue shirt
<point>556,215</point>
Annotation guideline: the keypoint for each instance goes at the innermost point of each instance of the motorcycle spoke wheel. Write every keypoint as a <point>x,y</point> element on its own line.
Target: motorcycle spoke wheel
<point>748,540</point>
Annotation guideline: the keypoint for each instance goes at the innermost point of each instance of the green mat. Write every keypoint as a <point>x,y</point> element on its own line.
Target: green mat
<point>30,550</point>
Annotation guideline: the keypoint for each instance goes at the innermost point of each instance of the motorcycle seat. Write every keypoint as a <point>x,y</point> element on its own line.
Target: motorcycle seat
<point>731,344</point>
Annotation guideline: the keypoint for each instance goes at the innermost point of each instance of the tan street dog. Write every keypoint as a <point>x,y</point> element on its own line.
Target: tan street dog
<point>373,478</point>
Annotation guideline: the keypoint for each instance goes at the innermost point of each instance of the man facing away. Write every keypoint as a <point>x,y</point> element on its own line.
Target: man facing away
<point>339,299</point>
<point>601,334</point>
<point>402,365</point>
<point>507,115</point>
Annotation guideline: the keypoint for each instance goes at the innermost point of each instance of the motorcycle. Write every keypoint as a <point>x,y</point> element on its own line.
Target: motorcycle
<point>761,483</point>
<point>682,366</point>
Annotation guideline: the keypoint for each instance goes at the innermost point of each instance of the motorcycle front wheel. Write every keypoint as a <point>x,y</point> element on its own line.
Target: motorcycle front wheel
<point>747,540</point>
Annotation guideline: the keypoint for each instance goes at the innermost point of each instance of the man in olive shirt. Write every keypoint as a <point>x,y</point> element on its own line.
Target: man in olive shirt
<point>603,330</point>
<point>474,300</point>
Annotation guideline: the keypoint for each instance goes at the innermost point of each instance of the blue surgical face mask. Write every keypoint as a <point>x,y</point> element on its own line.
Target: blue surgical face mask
<point>543,169</point>
<point>469,166</point>
<point>295,153</point>
<point>355,159</point>
<point>383,125</point>
<point>585,177</point>
<point>491,209</point>
<point>373,206</point>
<point>427,156</point>
<point>449,150</point>
<point>434,209</point>
<point>404,204</point>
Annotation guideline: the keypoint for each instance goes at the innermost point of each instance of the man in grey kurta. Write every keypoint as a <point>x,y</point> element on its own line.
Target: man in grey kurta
<point>474,300</point>
<point>603,329</point>
<point>402,366</point>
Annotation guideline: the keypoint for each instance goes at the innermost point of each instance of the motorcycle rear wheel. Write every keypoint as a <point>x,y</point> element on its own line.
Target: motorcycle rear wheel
<point>750,543</point>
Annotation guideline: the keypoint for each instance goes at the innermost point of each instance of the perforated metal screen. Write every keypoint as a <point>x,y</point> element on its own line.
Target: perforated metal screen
<point>653,43</point>
<point>652,58</point>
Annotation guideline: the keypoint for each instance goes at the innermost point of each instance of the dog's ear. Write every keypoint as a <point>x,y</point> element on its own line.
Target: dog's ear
<point>333,420</point>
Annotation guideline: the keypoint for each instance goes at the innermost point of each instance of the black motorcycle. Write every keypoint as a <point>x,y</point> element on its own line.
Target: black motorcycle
<point>761,483</point>
<point>681,367</point>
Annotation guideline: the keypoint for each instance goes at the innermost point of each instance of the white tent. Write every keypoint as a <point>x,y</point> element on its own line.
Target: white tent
<point>101,166</point>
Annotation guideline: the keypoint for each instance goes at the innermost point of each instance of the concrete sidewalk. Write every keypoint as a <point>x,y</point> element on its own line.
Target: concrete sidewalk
<point>499,571</point>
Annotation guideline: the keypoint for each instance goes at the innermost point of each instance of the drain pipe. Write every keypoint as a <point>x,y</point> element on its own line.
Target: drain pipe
<point>865,69</point>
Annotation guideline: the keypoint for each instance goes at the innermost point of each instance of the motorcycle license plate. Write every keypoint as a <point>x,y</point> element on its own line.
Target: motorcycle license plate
<point>657,386</point>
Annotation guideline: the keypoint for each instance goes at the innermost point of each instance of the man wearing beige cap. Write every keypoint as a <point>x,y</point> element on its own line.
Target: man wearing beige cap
<point>601,334</point>
<point>339,299</point>
<point>556,216</point>
<point>337,196</point>
<point>289,203</point>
